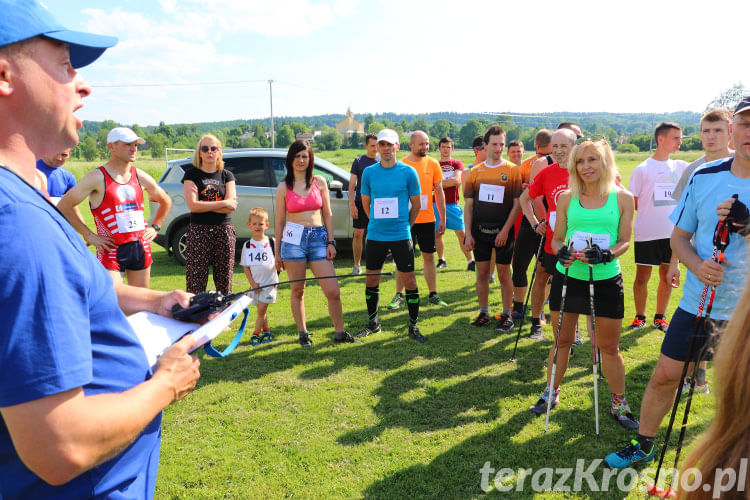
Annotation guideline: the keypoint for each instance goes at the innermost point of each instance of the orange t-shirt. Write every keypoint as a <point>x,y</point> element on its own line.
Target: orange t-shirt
<point>493,190</point>
<point>430,173</point>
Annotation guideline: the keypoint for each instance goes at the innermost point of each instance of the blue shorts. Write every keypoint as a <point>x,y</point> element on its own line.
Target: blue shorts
<point>676,343</point>
<point>312,247</point>
<point>453,214</point>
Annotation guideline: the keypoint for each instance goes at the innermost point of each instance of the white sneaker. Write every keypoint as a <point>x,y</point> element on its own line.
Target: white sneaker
<point>356,270</point>
<point>698,389</point>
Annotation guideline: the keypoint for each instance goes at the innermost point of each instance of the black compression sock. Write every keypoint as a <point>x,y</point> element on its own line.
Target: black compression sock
<point>517,306</point>
<point>412,303</point>
<point>658,316</point>
<point>646,442</point>
<point>372,296</point>
<point>535,321</point>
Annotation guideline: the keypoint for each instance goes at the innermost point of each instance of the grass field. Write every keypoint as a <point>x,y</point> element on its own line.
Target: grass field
<point>393,418</point>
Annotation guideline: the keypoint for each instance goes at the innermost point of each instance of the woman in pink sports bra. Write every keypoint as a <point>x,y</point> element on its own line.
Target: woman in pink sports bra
<point>304,230</point>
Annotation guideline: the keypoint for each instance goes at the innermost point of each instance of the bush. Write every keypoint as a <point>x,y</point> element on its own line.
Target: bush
<point>627,148</point>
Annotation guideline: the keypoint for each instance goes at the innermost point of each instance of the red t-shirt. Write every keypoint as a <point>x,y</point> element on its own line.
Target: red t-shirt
<point>550,182</point>
<point>450,169</point>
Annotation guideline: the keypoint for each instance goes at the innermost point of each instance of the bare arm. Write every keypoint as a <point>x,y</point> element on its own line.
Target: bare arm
<point>525,203</point>
<point>352,205</point>
<point>190,190</point>
<point>627,210</point>
<point>366,205</point>
<point>502,236</point>
<point>702,269</point>
<point>91,184</point>
<point>561,226</point>
<point>326,214</point>
<point>158,195</point>
<point>278,225</point>
<point>416,206</point>
<point>468,217</point>
<point>440,201</point>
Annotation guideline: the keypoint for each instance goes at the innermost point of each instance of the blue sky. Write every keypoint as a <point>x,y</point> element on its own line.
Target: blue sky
<point>405,56</point>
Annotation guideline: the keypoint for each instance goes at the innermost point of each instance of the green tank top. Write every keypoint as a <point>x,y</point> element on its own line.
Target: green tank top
<point>602,224</point>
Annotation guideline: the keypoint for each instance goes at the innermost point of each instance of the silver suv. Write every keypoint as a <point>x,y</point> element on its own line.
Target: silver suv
<point>257,172</point>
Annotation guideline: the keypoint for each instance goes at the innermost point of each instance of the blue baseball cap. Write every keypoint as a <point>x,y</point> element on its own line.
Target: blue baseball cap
<point>24,19</point>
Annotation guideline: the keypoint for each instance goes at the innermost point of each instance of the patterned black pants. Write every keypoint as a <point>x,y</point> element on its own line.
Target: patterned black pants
<point>210,246</point>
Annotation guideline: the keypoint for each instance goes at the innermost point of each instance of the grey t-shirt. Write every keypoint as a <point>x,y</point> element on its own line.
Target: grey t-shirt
<point>680,187</point>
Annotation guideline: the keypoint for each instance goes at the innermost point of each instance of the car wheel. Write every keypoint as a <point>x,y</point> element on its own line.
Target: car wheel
<point>179,244</point>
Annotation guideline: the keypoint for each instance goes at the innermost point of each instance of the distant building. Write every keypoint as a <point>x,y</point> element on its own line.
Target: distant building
<point>304,136</point>
<point>348,126</point>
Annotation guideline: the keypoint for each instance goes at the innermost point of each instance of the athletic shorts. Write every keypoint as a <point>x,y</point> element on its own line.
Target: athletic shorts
<point>402,251</point>
<point>361,221</point>
<point>313,246</point>
<point>266,295</point>
<point>653,252</point>
<point>485,243</point>
<point>423,236</point>
<point>549,262</point>
<point>524,251</point>
<point>609,299</point>
<point>454,216</point>
<point>676,343</point>
<point>130,256</point>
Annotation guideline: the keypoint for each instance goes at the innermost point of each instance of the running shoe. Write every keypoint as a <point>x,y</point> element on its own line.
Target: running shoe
<point>542,319</point>
<point>356,270</point>
<point>304,339</point>
<point>345,337</point>
<point>536,332</point>
<point>540,407</point>
<point>372,327</point>
<point>621,412</point>
<point>577,340</point>
<point>441,264</point>
<point>472,266</point>
<point>504,324</point>
<point>661,324</point>
<point>516,314</point>
<point>398,301</point>
<point>416,334</point>
<point>637,324</point>
<point>266,337</point>
<point>492,278</point>
<point>482,320</point>
<point>255,339</point>
<point>435,300</point>
<point>698,389</point>
<point>630,455</point>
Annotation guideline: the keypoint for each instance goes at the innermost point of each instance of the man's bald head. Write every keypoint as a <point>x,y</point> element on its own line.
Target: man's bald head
<point>419,143</point>
<point>562,143</point>
<point>564,134</point>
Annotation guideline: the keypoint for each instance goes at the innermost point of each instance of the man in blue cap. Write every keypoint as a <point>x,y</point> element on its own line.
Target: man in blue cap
<point>80,406</point>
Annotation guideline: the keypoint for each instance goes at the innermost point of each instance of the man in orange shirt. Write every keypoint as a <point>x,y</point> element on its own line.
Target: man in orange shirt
<point>423,230</point>
<point>491,196</point>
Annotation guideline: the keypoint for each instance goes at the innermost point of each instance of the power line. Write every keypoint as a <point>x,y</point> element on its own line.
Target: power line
<point>174,84</point>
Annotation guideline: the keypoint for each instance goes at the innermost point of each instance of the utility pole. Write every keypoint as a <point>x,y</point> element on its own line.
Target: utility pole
<point>273,133</point>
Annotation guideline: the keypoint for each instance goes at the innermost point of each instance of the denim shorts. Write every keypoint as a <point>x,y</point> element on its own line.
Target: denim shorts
<point>312,247</point>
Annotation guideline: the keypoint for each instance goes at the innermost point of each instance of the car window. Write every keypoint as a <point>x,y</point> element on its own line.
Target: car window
<point>279,169</point>
<point>323,173</point>
<point>247,171</point>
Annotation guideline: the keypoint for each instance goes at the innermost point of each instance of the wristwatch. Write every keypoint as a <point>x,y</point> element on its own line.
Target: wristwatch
<point>156,227</point>
<point>332,242</point>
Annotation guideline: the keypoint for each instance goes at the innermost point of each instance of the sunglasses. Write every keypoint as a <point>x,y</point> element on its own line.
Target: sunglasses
<point>206,149</point>
<point>593,138</point>
<point>479,148</point>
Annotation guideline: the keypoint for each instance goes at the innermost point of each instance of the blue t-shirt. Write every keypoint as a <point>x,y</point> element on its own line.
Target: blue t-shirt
<point>359,165</point>
<point>389,189</point>
<point>696,213</point>
<point>62,329</point>
<point>59,180</point>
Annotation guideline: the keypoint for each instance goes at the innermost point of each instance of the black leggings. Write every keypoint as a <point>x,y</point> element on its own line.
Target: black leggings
<point>527,244</point>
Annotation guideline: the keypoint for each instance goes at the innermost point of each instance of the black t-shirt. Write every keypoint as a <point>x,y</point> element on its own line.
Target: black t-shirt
<point>211,187</point>
<point>358,166</point>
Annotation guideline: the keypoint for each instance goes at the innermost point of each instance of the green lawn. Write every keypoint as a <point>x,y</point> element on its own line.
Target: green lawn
<point>392,418</point>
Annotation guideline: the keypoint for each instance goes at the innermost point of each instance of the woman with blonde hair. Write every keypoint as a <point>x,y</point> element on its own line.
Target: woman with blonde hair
<point>727,442</point>
<point>594,224</point>
<point>211,196</point>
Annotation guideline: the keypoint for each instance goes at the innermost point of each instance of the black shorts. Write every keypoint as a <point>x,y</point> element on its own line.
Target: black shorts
<point>549,261</point>
<point>402,251</point>
<point>676,343</point>
<point>524,250</point>
<point>484,243</point>
<point>361,221</point>
<point>609,299</point>
<point>653,253</point>
<point>423,236</point>
<point>132,256</point>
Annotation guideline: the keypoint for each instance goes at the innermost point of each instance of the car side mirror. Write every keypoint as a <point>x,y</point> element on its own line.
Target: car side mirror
<point>337,187</point>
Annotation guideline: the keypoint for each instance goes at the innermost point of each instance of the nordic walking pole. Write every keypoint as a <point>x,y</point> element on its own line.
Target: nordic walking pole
<point>550,386</point>
<point>720,243</point>
<point>526,303</point>
<point>594,348</point>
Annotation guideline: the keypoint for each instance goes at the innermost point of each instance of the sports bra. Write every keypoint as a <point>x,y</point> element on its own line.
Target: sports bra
<point>296,203</point>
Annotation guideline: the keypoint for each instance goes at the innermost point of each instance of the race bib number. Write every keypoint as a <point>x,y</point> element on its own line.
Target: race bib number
<point>580,240</point>
<point>293,233</point>
<point>449,174</point>
<point>491,193</point>
<point>423,201</point>
<point>663,192</point>
<point>385,208</point>
<point>552,220</point>
<point>130,221</point>
<point>259,256</point>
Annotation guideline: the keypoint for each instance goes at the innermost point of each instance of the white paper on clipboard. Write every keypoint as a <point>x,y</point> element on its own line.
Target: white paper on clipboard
<point>157,333</point>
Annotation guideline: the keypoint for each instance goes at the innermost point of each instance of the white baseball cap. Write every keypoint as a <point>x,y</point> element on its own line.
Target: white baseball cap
<point>124,134</point>
<point>388,135</point>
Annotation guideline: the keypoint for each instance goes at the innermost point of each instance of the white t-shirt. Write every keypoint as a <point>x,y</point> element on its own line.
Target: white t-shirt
<point>652,182</point>
<point>259,257</point>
